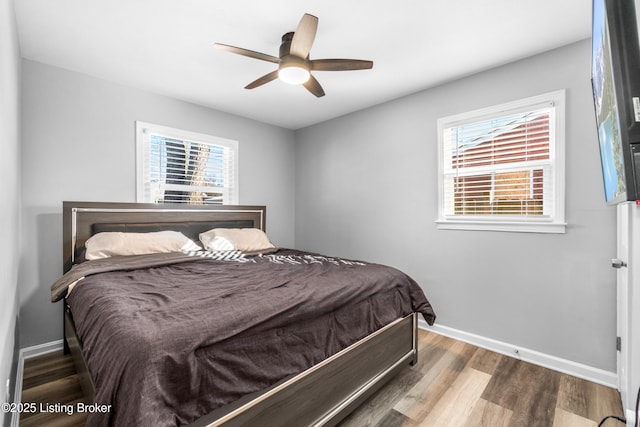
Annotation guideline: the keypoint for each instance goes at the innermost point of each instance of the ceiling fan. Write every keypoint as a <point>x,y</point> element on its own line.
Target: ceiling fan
<point>294,65</point>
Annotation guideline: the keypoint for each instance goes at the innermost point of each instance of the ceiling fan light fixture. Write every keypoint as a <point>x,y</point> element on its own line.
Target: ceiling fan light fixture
<point>294,70</point>
<point>294,65</point>
<point>294,75</point>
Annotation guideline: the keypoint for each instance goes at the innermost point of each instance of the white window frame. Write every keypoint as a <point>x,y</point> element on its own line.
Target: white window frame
<point>144,130</point>
<point>552,221</point>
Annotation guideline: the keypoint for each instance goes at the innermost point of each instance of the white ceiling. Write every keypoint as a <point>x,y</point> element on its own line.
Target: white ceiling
<point>165,46</point>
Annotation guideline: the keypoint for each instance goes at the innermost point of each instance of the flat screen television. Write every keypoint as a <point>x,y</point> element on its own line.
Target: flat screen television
<point>615,78</point>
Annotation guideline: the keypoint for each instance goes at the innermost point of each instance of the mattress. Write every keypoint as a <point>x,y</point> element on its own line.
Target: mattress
<point>170,337</point>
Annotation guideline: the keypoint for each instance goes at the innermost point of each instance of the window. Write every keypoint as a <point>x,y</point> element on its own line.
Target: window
<point>176,166</point>
<point>502,168</point>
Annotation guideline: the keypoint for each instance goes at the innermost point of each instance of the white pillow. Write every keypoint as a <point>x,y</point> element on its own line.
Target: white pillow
<point>239,239</point>
<point>107,244</point>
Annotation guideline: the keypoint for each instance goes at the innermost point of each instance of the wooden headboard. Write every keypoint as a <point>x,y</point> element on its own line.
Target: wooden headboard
<point>83,219</point>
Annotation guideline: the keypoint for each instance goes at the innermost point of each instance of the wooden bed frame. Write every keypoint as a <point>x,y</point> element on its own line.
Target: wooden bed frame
<point>320,396</point>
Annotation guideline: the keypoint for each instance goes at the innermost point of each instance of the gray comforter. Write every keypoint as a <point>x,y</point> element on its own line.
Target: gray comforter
<point>169,337</point>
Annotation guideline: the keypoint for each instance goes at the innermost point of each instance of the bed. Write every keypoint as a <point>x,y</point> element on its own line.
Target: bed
<point>306,351</point>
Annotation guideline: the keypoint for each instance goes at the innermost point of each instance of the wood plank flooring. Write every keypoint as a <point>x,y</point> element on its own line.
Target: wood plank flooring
<point>453,384</point>
<point>51,379</point>
<point>459,385</point>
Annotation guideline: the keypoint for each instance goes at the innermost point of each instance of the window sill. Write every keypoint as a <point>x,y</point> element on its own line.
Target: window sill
<point>509,226</point>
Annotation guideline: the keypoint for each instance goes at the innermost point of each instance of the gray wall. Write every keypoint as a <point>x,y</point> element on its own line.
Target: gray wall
<point>78,139</point>
<point>366,188</point>
<point>10,178</point>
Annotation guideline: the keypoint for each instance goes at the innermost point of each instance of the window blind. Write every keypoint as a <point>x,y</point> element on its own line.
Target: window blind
<point>190,170</point>
<point>500,166</point>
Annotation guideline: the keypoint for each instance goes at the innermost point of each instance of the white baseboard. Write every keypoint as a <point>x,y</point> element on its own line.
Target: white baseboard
<point>40,349</point>
<point>600,376</point>
<point>28,353</point>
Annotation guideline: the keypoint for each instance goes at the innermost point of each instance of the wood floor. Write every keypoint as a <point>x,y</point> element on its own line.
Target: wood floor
<point>51,379</point>
<point>459,385</point>
<point>453,384</point>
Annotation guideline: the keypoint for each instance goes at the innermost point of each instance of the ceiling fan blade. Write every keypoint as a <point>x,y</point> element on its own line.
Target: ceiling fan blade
<point>314,87</point>
<point>247,52</point>
<point>263,80</point>
<point>340,64</point>
<point>304,36</point>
